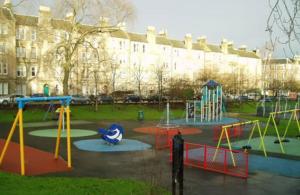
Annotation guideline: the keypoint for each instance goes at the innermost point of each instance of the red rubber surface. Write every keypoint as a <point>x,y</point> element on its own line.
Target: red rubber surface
<point>154,129</point>
<point>37,162</point>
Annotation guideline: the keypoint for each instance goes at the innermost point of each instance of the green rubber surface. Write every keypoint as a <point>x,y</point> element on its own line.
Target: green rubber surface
<point>53,133</point>
<point>290,148</point>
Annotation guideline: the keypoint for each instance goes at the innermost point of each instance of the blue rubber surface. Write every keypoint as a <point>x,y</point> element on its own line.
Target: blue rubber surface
<point>99,145</point>
<point>191,122</point>
<point>290,168</point>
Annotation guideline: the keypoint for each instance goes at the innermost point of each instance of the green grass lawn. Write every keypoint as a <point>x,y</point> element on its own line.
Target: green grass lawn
<point>105,112</point>
<point>15,184</point>
<point>123,112</point>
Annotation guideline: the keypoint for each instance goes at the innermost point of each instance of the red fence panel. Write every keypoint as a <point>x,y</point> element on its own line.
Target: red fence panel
<point>163,138</point>
<point>230,162</point>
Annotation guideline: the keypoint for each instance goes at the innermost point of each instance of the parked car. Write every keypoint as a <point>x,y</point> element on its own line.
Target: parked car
<point>132,98</point>
<point>266,99</point>
<point>105,99</point>
<point>254,96</point>
<point>38,95</point>
<point>155,98</point>
<point>242,98</point>
<point>5,100</point>
<point>80,99</point>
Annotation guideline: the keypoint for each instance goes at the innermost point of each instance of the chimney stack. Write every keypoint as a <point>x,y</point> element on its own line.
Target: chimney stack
<point>224,46</point>
<point>151,35</point>
<point>44,15</point>
<point>201,40</point>
<point>188,41</point>
<point>104,22</point>
<point>243,48</point>
<point>163,33</point>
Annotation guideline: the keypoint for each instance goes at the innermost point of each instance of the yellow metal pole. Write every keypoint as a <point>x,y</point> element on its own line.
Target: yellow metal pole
<point>219,142</point>
<point>68,137</point>
<point>229,145</point>
<point>288,125</point>
<point>251,133</point>
<point>266,128</point>
<point>22,158</point>
<point>11,132</point>
<point>59,131</point>
<point>278,136</point>
<point>297,121</point>
<point>262,143</point>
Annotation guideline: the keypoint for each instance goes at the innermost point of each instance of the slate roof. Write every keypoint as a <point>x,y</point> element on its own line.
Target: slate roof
<point>137,37</point>
<point>162,40</point>
<point>177,43</point>
<point>119,34</point>
<point>26,20</point>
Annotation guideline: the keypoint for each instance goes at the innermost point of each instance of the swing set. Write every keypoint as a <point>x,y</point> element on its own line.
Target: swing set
<point>226,130</point>
<point>272,120</point>
<point>65,102</point>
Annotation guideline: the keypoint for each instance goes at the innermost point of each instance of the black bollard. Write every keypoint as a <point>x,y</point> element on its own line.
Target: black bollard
<point>177,163</point>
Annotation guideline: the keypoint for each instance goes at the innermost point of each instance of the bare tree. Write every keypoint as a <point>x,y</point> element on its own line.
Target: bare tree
<point>283,24</point>
<point>76,34</point>
<point>138,72</point>
<point>161,79</point>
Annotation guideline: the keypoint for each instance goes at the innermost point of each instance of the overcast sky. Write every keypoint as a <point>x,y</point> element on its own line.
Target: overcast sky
<point>240,21</point>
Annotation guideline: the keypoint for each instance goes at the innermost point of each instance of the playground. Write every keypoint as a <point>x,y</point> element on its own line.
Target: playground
<point>136,157</point>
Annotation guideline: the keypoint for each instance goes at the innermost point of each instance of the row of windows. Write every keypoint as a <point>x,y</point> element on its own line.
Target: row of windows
<point>3,68</point>
<point>3,88</point>
<point>21,71</point>
<point>3,29</point>
<point>21,52</point>
<point>2,48</point>
<point>21,34</point>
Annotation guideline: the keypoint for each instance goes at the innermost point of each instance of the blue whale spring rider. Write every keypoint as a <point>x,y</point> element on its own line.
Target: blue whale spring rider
<point>113,135</point>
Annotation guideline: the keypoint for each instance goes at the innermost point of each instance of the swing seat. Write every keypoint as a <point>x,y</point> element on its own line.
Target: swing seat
<point>276,141</point>
<point>285,140</point>
<point>247,147</point>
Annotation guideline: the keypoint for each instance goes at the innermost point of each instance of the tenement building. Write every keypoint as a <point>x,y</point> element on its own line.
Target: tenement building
<point>112,60</point>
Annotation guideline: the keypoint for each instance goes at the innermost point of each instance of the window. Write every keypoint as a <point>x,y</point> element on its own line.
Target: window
<point>175,66</point>
<point>66,35</point>
<point>21,71</point>
<point>33,71</point>
<point>3,88</point>
<point>121,44</point>
<point>135,47</point>
<point>21,52</point>
<point>3,29</point>
<point>144,48</point>
<point>57,37</point>
<point>33,34</point>
<point>33,53</point>
<point>21,89</point>
<point>3,68</point>
<point>84,56</point>
<point>2,48</point>
<point>20,33</point>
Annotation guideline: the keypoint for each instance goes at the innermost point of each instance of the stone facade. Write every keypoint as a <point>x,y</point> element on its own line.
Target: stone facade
<point>26,67</point>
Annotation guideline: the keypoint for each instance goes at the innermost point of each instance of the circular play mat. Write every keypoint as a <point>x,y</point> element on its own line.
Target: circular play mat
<point>99,145</point>
<point>53,133</point>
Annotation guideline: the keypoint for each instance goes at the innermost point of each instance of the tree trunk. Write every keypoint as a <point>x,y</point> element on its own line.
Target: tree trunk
<point>66,82</point>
